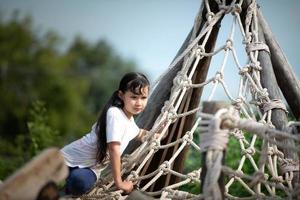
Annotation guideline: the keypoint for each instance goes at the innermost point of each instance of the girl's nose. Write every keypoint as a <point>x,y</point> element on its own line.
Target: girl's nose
<point>138,102</point>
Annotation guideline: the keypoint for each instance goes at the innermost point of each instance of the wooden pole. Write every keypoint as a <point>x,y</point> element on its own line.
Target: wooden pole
<point>286,78</point>
<point>279,117</point>
<point>268,80</point>
<point>40,173</point>
<point>211,108</point>
<point>184,124</point>
<point>200,76</point>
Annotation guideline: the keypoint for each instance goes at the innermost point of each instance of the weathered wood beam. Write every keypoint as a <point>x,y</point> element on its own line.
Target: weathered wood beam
<point>44,170</point>
<point>174,134</point>
<point>184,124</point>
<point>279,117</point>
<point>211,108</point>
<point>286,78</point>
<point>268,80</point>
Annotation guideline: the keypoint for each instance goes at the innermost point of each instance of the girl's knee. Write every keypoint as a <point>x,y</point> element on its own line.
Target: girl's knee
<point>80,182</point>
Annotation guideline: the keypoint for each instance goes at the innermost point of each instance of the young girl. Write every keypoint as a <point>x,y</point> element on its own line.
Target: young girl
<point>112,133</point>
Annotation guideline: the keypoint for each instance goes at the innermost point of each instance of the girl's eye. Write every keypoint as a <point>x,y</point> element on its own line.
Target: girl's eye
<point>133,97</point>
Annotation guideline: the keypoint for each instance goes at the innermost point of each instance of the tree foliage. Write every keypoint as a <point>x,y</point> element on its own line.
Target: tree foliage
<point>49,97</point>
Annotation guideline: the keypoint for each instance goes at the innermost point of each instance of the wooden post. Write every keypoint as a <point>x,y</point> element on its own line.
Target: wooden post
<point>286,78</point>
<point>196,94</point>
<point>211,108</point>
<point>279,117</point>
<point>40,173</point>
<point>268,80</point>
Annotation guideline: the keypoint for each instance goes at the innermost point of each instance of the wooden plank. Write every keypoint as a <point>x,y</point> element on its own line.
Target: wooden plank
<point>26,183</point>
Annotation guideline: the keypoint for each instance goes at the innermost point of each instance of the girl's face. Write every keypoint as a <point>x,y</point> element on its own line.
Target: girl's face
<point>134,103</point>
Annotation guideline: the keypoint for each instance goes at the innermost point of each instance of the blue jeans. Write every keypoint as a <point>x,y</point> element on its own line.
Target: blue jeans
<point>80,180</point>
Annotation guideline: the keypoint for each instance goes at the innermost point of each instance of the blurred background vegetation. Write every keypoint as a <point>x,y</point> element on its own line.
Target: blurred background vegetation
<point>49,96</point>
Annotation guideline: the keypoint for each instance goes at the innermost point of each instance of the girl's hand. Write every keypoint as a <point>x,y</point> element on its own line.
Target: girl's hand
<point>127,186</point>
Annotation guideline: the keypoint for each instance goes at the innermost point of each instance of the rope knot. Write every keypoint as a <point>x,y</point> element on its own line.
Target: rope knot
<point>255,66</point>
<point>238,103</point>
<point>200,51</point>
<point>182,80</point>
<point>274,104</point>
<point>188,137</point>
<point>172,115</point>
<point>170,110</point>
<point>194,175</point>
<point>218,77</point>
<point>238,173</point>
<point>165,167</point>
<point>229,44</point>
<point>249,151</point>
<point>248,38</point>
<point>209,16</point>
<point>243,71</point>
<point>238,134</point>
<point>263,94</point>
<point>155,145</point>
<point>134,175</point>
<point>278,179</point>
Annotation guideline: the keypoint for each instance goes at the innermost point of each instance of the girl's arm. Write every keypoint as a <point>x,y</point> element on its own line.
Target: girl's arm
<point>115,157</point>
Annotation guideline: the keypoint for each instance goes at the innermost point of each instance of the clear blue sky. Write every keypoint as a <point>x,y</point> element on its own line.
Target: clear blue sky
<point>149,32</point>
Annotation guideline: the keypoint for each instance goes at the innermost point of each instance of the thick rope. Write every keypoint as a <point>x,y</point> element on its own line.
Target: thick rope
<point>213,138</point>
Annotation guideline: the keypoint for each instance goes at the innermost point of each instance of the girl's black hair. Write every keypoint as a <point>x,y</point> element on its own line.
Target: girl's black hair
<point>133,82</point>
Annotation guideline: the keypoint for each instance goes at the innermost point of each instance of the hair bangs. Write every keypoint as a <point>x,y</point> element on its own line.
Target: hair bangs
<point>136,86</point>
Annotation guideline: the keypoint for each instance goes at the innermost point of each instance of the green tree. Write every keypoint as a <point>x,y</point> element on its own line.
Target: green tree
<point>41,135</point>
<point>101,66</point>
<point>72,86</point>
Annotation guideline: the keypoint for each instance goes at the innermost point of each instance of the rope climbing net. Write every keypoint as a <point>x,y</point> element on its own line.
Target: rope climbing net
<point>248,122</point>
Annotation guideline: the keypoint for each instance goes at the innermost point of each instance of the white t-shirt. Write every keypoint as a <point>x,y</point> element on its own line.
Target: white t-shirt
<point>82,152</point>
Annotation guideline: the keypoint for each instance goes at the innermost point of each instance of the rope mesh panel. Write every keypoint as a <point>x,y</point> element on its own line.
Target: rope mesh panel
<point>271,173</point>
